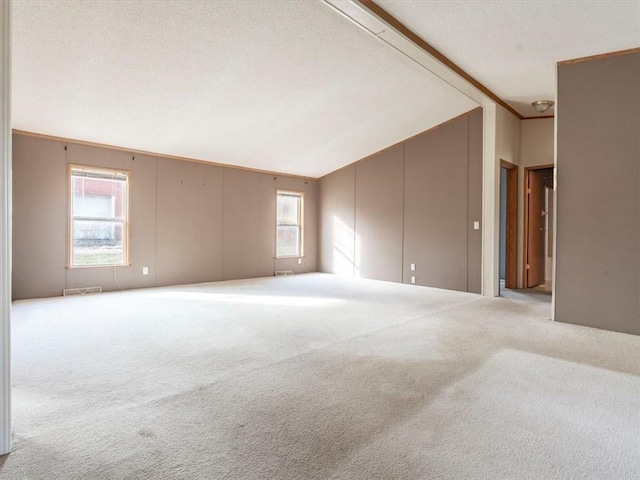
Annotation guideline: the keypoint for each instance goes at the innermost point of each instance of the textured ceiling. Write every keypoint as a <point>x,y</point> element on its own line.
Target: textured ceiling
<point>281,86</point>
<point>512,46</point>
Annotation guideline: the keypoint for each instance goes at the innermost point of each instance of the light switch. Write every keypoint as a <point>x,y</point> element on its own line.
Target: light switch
<point>476,225</point>
<point>413,267</point>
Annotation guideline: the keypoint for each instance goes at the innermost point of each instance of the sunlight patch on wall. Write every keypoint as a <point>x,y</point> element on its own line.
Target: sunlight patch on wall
<point>345,245</point>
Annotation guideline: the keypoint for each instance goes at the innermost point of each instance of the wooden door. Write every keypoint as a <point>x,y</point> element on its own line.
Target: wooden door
<point>535,231</point>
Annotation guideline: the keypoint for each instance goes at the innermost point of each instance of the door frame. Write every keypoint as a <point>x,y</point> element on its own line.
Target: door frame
<point>525,232</point>
<point>511,240</point>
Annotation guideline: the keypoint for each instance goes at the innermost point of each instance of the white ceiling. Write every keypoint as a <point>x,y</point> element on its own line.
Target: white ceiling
<point>280,86</point>
<point>512,46</point>
<point>285,86</point>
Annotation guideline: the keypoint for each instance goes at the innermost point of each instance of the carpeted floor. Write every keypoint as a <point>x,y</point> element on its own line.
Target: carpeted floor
<point>541,293</point>
<point>317,377</point>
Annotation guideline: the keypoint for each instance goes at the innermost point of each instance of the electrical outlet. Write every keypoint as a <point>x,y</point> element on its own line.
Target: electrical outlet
<point>413,267</point>
<point>413,279</point>
<point>145,270</point>
<point>299,261</point>
<point>476,225</point>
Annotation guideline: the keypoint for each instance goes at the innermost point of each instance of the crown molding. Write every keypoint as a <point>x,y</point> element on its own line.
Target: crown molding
<point>590,58</point>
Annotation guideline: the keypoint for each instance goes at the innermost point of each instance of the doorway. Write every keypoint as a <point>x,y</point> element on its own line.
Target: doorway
<point>537,234</point>
<point>538,217</point>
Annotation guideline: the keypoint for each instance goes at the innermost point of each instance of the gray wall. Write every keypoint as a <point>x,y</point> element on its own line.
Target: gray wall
<point>39,218</point>
<point>379,200</point>
<point>337,222</point>
<point>189,222</point>
<point>412,203</point>
<point>188,217</point>
<point>435,213</point>
<point>474,205</point>
<point>598,209</point>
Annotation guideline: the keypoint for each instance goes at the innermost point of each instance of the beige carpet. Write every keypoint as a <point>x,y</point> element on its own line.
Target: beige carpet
<point>317,377</point>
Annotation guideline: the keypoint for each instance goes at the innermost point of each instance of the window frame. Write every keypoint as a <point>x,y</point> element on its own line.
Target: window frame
<point>126,212</point>
<point>300,224</point>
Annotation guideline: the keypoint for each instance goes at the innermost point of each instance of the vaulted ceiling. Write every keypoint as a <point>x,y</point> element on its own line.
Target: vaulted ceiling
<point>286,86</point>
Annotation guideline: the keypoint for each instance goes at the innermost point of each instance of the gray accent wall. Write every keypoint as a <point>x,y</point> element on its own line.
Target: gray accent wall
<point>379,200</point>
<point>189,215</point>
<point>337,222</point>
<point>412,203</point>
<point>598,184</point>
<point>39,220</point>
<point>474,207</point>
<point>249,238</point>
<point>190,222</point>
<point>435,213</point>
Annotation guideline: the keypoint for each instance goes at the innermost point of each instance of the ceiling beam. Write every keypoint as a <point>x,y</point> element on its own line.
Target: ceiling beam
<point>378,22</point>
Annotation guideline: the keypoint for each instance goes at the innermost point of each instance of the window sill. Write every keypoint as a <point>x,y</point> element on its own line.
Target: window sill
<point>81,267</point>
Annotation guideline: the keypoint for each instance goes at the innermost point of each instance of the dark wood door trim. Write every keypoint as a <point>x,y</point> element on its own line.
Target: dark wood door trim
<point>525,249</point>
<point>511,242</point>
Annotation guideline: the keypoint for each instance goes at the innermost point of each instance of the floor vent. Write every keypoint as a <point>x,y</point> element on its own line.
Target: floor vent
<point>283,273</point>
<point>81,291</point>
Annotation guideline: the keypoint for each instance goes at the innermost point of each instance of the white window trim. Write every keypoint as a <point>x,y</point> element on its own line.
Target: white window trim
<point>301,221</point>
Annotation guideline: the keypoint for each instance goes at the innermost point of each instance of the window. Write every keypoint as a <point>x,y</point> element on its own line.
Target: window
<point>98,217</point>
<point>289,218</point>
